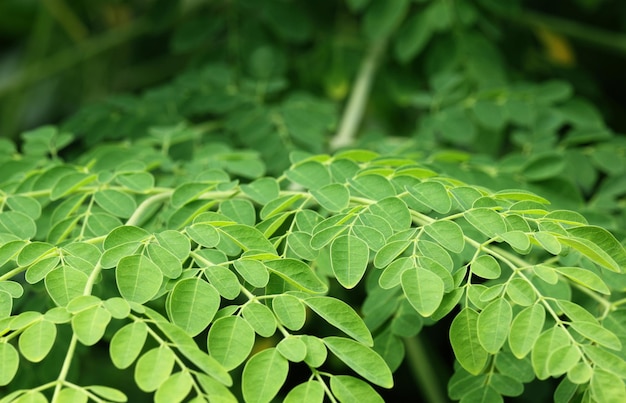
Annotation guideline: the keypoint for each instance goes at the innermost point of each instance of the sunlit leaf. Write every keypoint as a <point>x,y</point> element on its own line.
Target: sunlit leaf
<point>263,376</point>
<point>361,359</point>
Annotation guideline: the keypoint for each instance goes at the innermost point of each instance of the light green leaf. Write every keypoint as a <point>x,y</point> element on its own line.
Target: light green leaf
<point>224,281</point>
<point>394,211</point>
<point>279,205</point>
<point>486,266</point>
<point>137,181</point>
<point>562,360</point>
<point>604,240</point>
<point>585,277</point>
<point>240,210</point>
<point>31,396</point>
<point>486,221</point>
<point>342,316</point>
<point>169,264</point>
<point>325,236</point>
<point>597,334</point>
<point>521,292</point>
<point>71,395</point>
<point>175,388</point>
<point>89,325</point>
<point>125,234</point>
<point>334,197</point>
<point>108,393</point>
<point>289,311</point>
<point>82,302</point>
<point>261,318</point>
<point>115,202</point>
<point>307,392</point>
<point>188,192</point>
<point>448,234</point>
<point>71,182</point>
<point>24,204</point>
<point>348,257</point>
<point>35,251</point>
<point>493,325</point>
<point>138,278</point>
<point>546,343</point>
<point>525,329</point>
<point>253,271</point>
<point>350,389</point>
<point>392,275</point>
<point>548,241</point>
<point>361,359</point>
<point>424,290</point>
<point>230,341</point>
<point>175,242</point>
<point>263,376</point>
<point>433,195</point>
<point>6,304</point>
<point>592,251</point>
<point>605,359</point>
<point>300,243</point>
<point>247,238</point>
<point>18,224</point>
<point>374,187</point>
<point>372,236</point>
<point>316,351</point>
<point>153,368</point>
<point>292,348</point>
<point>390,252</point>
<point>261,190</point>
<point>192,304</point>
<point>310,174</point>
<point>37,340</point>
<point>517,239</point>
<point>9,363</point>
<point>297,273</point>
<point>203,234</point>
<point>64,284</point>
<point>127,343</point>
<point>465,343</point>
<point>607,387</point>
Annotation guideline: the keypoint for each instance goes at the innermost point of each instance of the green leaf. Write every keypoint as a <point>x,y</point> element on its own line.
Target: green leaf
<point>372,236</point>
<point>279,205</point>
<point>71,395</point>
<point>334,197</point>
<point>592,251</point>
<point>546,343</point>
<point>300,243</point>
<point>263,376</point>
<point>39,270</point>
<point>486,221</point>
<point>350,389</point>
<point>605,359</point>
<point>224,281</point>
<point>230,341</point>
<point>465,342</point>
<point>486,266</point>
<point>307,392</point>
<point>394,211</point>
<point>175,388</point>
<point>192,305</point>
<point>382,17</point>
<point>261,318</point>
<point>64,284</point>
<point>597,334</point>
<point>310,174</point>
<point>348,257</point>
<point>37,340</point>
<point>543,166</point>
<point>89,325</point>
<point>604,240</point>
<point>9,363</point>
<point>137,181</point>
<point>525,329</point>
<point>548,241</point>
<point>390,252</point>
<point>203,234</point>
<point>175,242</point>
<point>153,368</point>
<point>361,359</point>
<point>138,278</point>
<point>240,210</point>
<point>521,292</point>
<point>69,183</point>
<point>412,37</point>
<point>292,348</point>
<point>493,325</point>
<point>169,264</point>
<point>585,277</point>
<point>125,234</point>
<point>115,202</point>
<point>607,387</point>
<point>433,195</point>
<point>517,239</point>
<point>342,316</point>
<point>247,238</point>
<point>24,204</point>
<point>127,343</point>
<point>188,192</point>
<point>448,234</point>
<point>297,273</point>
<point>289,311</point>
<point>253,271</point>
<point>562,360</point>
<point>18,224</point>
<point>423,289</point>
<point>374,187</point>
<point>261,190</point>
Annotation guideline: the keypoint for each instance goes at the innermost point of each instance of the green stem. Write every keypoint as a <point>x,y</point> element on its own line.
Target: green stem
<point>145,205</point>
<point>355,108</point>
<point>422,369</point>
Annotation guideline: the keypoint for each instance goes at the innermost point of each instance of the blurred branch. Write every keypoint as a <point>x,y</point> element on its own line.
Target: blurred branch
<point>611,41</point>
<point>423,371</point>
<point>66,19</point>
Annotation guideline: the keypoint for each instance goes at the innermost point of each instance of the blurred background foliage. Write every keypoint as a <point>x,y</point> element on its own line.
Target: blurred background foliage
<point>516,94</point>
